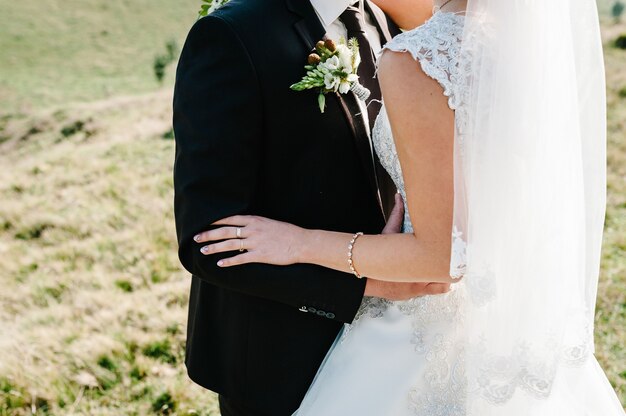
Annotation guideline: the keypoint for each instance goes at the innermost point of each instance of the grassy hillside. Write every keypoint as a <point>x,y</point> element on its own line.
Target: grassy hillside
<point>57,51</point>
<point>92,299</point>
<point>611,308</point>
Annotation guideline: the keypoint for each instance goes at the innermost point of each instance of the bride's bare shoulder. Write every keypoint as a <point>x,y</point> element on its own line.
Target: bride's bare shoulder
<point>392,63</point>
<point>406,87</point>
<point>395,68</point>
<point>418,68</point>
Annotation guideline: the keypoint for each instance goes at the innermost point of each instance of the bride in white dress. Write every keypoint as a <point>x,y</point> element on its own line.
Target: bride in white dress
<point>503,144</point>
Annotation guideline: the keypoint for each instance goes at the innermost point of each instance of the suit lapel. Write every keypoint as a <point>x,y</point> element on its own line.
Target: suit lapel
<point>351,111</point>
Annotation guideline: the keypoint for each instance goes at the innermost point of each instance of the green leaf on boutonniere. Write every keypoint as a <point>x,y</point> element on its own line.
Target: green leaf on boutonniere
<point>321,100</point>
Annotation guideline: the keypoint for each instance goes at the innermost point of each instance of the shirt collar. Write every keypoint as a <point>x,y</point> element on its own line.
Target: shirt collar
<point>330,10</point>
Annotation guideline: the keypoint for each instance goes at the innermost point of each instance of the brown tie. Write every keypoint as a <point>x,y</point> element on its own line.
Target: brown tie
<point>353,20</point>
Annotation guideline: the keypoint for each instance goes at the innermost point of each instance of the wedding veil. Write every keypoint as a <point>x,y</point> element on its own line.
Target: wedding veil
<point>529,196</point>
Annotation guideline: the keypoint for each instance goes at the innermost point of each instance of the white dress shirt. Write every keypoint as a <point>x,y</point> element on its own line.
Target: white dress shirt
<point>329,11</point>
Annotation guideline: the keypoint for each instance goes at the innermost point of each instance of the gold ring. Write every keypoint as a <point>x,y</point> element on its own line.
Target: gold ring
<point>241,245</point>
<point>238,232</point>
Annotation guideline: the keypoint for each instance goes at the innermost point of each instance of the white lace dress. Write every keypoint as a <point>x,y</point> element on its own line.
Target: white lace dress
<point>406,358</point>
<point>401,358</point>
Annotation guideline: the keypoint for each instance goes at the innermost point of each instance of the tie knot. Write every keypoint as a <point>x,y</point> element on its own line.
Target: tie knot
<point>352,19</point>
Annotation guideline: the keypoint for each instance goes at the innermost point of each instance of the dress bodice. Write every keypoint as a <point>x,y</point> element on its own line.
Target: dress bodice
<point>436,46</point>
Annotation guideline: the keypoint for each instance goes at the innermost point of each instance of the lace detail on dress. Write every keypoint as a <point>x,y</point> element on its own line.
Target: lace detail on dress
<point>437,47</point>
<point>434,319</point>
<point>503,375</point>
<point>446,395</point>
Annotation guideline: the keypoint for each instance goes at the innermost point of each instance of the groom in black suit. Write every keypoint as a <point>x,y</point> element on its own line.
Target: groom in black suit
<point>247,144</point>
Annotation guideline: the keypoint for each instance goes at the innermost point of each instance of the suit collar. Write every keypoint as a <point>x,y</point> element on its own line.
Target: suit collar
<point>309,27</point>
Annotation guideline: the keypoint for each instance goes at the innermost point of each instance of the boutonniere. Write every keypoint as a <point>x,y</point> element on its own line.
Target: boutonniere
<point>332,68</point>
<point>210,6</point>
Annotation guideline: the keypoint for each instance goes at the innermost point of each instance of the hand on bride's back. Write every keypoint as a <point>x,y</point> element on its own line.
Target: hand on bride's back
<point>395,290</point>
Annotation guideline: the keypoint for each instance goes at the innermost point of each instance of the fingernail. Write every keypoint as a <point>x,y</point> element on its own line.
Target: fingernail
<point>220,263</point>
<point>197,238</point>
<point>204,250</point>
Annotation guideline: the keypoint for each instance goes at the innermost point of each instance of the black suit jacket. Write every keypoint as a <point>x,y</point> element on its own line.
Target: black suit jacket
<point>247,144</point>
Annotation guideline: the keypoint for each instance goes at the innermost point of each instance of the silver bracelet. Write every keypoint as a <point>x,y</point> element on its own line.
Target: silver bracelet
<point>350,260</point>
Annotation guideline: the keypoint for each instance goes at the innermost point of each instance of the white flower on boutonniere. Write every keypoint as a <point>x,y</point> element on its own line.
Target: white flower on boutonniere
<point>333,68</point>
<point>210,6</point>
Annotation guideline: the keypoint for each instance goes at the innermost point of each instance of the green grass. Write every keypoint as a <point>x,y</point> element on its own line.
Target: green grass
<point>93,301</point>
<point>81,50</point>
<point>611,308</point>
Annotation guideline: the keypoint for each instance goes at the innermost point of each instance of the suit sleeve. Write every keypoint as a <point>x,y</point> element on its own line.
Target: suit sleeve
<point>218,125</point>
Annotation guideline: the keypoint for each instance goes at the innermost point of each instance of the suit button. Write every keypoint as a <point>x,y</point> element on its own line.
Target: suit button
<point>321,313</point>
<point>312,310</point>
<point>330,315</point>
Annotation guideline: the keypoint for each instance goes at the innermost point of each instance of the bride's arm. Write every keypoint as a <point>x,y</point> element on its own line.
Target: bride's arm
<point>423,128</point>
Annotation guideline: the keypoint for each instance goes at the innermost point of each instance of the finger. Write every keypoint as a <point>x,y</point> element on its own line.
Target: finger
<point>245,258</point>
<point>221,233</point>
<point>437,288</point>
<point>224,246</point>
<point>396,217</point>
<point>398,207</point>
<point>242,220</point>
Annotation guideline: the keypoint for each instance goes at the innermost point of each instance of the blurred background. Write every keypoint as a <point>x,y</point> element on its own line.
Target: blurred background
<point>92,297</point>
